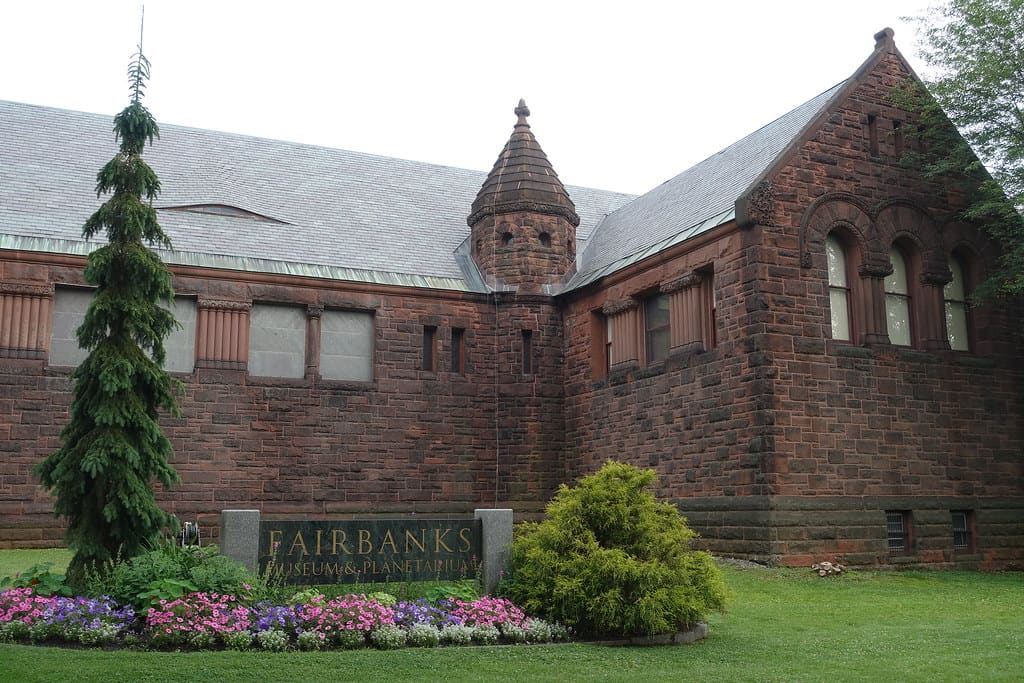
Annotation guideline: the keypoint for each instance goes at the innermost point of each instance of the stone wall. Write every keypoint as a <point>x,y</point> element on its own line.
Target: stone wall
<point>408,441</point>
<point>865,427</point>
<point>523,249</point>
<point>783,445</point>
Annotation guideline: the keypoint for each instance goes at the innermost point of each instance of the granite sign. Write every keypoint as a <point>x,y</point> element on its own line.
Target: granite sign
<point>370,551</point>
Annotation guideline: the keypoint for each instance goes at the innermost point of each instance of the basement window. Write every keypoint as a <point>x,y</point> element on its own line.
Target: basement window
<point>898,527</point>
<point>963,530</point>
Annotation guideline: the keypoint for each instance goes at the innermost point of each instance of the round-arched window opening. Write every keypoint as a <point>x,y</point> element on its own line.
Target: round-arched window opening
<point>545,239</point>
<point>506,238</point>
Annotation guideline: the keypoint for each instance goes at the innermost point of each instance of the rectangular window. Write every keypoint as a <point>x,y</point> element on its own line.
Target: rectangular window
<point>180,344</point>
<point>527,352</point>
<point>69,306</point>
<point>277,341</point>
<point>600,332</point>
<point>898,531</point>
<point>897,137</point>
<point>429,334</point>
<point>873,135</point>
<point>963,530</point>
<point>709,306</point>
<point>458,350</point>
<point>346,345</point>
<point>656,328</point>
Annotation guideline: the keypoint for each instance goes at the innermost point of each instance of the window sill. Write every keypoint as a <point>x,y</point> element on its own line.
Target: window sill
<point>847,349</point>
<point>264,381</point>
<point>346,384</point>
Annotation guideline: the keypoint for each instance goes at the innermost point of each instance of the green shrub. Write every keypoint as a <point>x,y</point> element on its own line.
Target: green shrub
<point>386,599</point>
<point>610,560</point>
<point>466,590</point>
<point>168,571</point>
<point>40,579</point>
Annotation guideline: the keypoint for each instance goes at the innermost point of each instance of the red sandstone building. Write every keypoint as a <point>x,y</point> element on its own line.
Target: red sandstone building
<point>781,332</point>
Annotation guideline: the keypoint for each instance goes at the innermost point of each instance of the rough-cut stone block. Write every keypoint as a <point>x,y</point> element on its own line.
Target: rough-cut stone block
<point>497,543</point>
<point>240,536</point>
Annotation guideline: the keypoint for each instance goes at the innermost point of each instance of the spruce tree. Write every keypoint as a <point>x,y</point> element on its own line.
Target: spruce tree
<point>113,447</point>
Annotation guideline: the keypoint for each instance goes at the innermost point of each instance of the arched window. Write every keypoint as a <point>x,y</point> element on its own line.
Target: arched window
<point>838,288</point>
<point>897,301</point>
<point>955,296</point>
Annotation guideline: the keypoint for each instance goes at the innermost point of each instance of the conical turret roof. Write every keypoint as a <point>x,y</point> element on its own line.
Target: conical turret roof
<point>522,179</point>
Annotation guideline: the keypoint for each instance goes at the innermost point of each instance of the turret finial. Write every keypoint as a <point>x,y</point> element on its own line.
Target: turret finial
<point>522,111</point>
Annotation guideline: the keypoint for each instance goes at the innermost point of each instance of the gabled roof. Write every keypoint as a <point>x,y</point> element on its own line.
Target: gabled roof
<point>696,200</point>
<point>247,203</point>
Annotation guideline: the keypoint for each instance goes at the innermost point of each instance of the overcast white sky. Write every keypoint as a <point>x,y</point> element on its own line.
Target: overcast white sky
<point>624,95</point>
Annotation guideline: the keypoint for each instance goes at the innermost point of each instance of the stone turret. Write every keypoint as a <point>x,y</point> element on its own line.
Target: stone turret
<point>522,222</point>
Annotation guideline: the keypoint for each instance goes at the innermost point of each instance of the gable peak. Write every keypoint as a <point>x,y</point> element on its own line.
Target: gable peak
<point>884,38</point>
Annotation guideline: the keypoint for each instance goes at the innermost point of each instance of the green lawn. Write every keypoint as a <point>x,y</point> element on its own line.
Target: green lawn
<point>782,625</point>
<point>14,561</point>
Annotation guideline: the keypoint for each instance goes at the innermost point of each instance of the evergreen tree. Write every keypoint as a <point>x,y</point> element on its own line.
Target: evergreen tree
<point>113,447</point>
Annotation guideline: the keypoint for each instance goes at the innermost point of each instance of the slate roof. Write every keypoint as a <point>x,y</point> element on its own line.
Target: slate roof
<point>522,179</point>
<point>307,210</point>
<point>331,213</point>
<point>694,201</point>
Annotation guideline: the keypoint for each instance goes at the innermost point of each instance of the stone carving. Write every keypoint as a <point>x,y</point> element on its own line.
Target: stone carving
<point>224,305</point>
<point>684,281</point>
<point>613,307</point>
<point>761,204</point>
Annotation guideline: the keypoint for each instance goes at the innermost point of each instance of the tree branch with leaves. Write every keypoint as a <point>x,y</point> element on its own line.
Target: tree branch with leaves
<point>975,49</point>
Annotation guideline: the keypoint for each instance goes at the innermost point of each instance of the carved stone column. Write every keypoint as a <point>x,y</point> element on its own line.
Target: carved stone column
<point>874,328</point>
<point>313,313</point>
<point>932,312</point>
<point>26,317</point>
<point>222,334</point>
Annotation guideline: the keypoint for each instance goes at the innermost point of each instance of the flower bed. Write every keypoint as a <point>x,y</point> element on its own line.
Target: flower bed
<point>211,621</point>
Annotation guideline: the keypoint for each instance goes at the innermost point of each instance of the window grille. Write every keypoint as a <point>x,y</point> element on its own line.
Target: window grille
<point>896,527</point>
<point>961,530</point>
